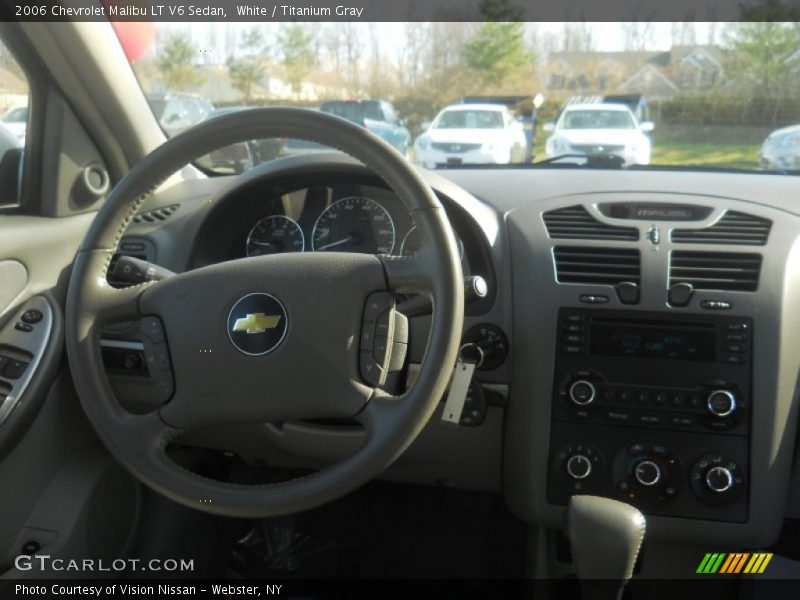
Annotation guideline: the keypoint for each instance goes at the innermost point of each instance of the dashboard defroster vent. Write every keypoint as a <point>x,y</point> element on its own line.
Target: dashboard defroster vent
<point>575,222</point>
<point>604,266</point>
<point>735,228</point>
<point>734,271</point>
<point>158,214</point>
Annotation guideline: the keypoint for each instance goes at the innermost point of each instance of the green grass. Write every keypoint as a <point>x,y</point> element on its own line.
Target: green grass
<point>736,156</point>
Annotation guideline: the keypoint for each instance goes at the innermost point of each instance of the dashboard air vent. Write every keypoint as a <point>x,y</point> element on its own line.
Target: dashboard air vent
<point>605,266</point>
<point>158,214</point>
<point>715,270</point>
<point>733,228</point>
<point>575,222</point>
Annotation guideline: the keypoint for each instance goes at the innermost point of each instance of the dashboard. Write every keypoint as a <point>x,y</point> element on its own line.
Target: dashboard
<point>645,338</point>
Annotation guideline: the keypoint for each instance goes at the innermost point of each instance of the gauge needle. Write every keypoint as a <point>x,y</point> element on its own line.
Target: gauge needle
<point>332,244</point>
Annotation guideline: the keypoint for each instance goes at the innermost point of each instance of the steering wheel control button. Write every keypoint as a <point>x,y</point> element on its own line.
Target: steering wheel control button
<point>152,328</point>
<point>647,473</point>
<point>257,324</point>
<point>377,304</point>
<point>32,316</point>
<point>579,466</point>
<point>582,392</point>
<point>721,403</point>
<point>23,327</point>
<point>371,371</point>
<point>156,357</point>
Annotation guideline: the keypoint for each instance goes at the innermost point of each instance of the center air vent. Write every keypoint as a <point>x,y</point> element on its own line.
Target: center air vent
<point>715,270</point>
<point>735,228</point>
<point>575,222</point>
<point>605,266</point>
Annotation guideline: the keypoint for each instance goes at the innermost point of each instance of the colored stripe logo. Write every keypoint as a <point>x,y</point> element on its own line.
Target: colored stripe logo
<point>734,562</point>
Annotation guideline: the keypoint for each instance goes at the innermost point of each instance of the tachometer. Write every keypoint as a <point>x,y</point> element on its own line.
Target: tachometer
<point>354,224</point>
<point>274,235</point>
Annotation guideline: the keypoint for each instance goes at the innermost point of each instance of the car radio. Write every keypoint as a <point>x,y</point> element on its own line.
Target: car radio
<point>653,408</point>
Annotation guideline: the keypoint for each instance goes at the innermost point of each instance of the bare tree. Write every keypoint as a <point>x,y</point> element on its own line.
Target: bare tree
<point>637,35</point>
<point>683,33</point>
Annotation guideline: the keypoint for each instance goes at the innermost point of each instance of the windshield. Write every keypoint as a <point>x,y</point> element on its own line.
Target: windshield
<point>469,119</point>
<point>597,119</point>
<point>700,95</point>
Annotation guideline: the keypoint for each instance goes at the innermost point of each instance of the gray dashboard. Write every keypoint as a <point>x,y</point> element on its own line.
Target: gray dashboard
<point>500,216</point>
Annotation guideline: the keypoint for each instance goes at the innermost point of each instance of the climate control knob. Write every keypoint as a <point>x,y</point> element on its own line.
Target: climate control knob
<point>719,479</point>
<point>647,473</point>
<point>721,403</point>
<point>579,466</point>
<point>582,392</point>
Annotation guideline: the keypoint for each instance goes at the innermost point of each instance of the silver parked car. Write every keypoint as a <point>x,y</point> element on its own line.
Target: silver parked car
<point>781,149</point>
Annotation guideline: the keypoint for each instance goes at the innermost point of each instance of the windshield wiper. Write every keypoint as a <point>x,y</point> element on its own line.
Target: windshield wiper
<point>592,161</point>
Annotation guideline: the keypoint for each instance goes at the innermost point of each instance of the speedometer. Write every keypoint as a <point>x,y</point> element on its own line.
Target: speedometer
<point>274,235</point>
<point>354,224</point>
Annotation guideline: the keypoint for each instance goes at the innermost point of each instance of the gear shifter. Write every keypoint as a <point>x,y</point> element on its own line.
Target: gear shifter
<point>605,536</point>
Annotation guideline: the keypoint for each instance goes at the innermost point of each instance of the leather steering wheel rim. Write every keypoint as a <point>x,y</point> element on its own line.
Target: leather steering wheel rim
<point>139,442</point>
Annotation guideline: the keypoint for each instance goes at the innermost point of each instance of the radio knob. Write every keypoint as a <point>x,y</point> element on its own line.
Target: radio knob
<point>719,479</point>
<point>579,466</point>
<point>582,392</point>
<point>647,473</point>
<point>721,403</point>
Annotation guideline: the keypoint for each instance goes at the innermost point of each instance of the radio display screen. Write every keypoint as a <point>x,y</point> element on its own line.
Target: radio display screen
<point>652,342</point>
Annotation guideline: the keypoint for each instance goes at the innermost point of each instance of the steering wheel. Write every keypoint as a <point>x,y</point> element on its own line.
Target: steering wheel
<point>304,309</point>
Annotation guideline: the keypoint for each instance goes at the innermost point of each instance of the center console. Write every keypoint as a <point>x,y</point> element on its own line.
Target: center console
<point>654,409</point>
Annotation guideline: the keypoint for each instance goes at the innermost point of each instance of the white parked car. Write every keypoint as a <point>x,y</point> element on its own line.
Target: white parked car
<point>781,150</point>
<point>600,129</point>
<point>471,134</point>
<point>16,121</point>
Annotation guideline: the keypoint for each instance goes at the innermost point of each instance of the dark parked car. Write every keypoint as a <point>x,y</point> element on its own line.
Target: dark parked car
<point>379,116</point>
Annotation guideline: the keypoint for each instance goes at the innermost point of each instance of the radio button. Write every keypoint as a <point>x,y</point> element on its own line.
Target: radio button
<point>694,400</point>
<point>736,337</point>
<point>582,392</point>
<point>571,339</point>
<point>739,348</point>
<point>642,397</point>
<point>624,396</point>
<point>571,318</point>
<point>734,359</point>
<point>742,326</point>
<point>650,418</point>
<point>607,394</point>
<point>676,399</point>
<point>721,403</point>
<point>658,398</point>
<point>571,328</point>
<point>571,349</point>
<point>618,416</point>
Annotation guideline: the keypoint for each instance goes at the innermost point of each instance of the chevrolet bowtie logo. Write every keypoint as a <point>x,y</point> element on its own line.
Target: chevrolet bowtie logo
<point>256,323</point>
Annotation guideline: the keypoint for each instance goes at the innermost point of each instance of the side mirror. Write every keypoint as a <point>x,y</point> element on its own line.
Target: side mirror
<point>550,126</point>
<point>647,126</point>
<point>425,125</point>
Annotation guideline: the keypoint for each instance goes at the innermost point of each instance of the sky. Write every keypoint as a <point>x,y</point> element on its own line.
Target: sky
<point>608,37</point>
